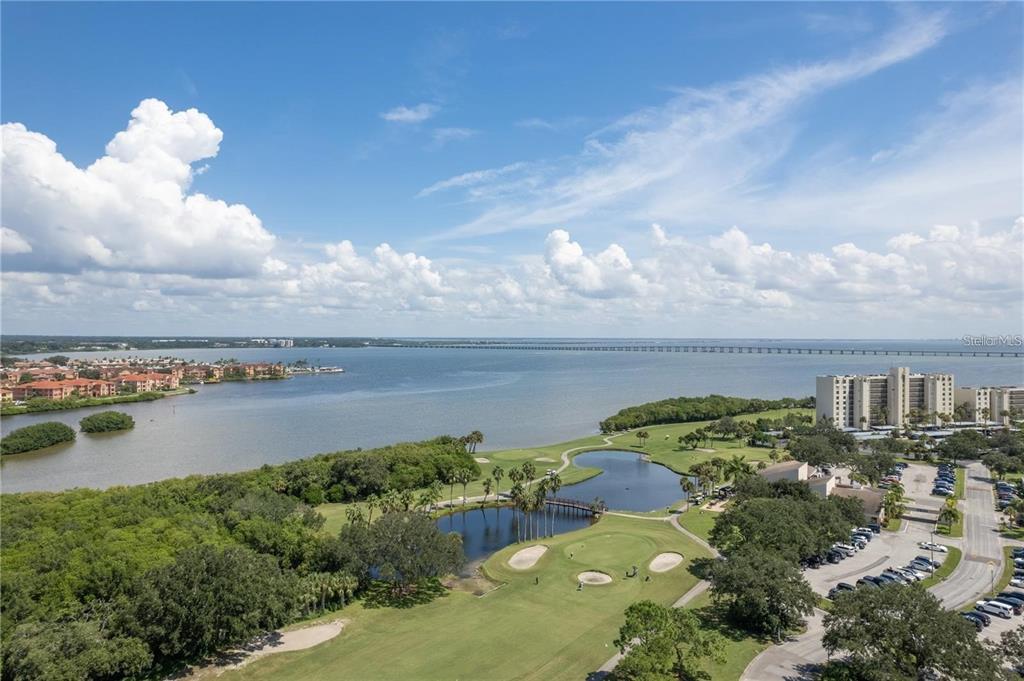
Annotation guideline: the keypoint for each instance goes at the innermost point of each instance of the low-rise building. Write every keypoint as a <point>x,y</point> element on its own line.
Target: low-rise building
<point>870,498</point>
<point>787,470</point>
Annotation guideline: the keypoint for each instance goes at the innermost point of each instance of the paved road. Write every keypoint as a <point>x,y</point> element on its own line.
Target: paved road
<point>800,657</point>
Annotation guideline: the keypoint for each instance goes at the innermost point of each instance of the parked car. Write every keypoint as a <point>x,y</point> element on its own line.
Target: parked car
<point>1014,604</point>
<point>923,567</point>
<point>973,620</point>
<point>910,574</point>
<point>897,575</point>
<point>982,616</point>
<point>933,547</point>
<point>994,608</point>
<point>865,582</point>
<point>839,588</point>
<point>875,527</point>
<point>928,561</point>
<point>939,492</point>
<point>920,574</point>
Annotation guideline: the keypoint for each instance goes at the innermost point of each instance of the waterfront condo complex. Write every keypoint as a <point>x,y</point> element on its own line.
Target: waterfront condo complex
<point>899,396</point>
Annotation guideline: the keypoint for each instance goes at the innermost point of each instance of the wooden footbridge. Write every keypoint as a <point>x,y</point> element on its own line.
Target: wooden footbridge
<point>576,506</point>
<point>731,349</point>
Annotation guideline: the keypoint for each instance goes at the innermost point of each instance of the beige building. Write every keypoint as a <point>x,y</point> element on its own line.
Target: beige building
<point>787,470</point>
<point>862,401</point>
<point>992,403</point>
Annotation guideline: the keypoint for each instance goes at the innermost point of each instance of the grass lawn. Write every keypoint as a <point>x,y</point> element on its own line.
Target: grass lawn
<point>521,630</point>
<point>662,447</point>
<point>1008,568</point>
<point>740,647</point>
<point>957,530</point>
<point>944,570</point>
<point>699,522</point>
<point>961,483</point>
<point>893,524</point>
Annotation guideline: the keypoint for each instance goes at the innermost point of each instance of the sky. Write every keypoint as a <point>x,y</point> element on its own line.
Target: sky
<point>833,170</point>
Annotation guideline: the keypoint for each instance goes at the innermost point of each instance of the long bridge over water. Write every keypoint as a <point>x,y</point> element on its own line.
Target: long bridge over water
<point>730,349</point>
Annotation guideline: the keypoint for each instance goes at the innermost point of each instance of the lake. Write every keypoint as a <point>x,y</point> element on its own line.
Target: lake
<point>515,397</point>
<point>487,530</point>
<point>628,483</point>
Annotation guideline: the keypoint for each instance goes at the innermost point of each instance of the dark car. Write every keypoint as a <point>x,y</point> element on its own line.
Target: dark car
<point>841,587</point>
<point>985,618</point>
<point>1012,595</point>
<point>864,581</point>
<point>833,557</point>
<point>877,529</point>
<point>978,625</point>
<point>1013,603</point>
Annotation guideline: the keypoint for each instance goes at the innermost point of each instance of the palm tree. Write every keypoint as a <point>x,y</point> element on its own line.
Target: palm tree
<point>689,489</point>
<point>554,484</point>
<point>464,477</point>
<point>948,515</point>
<point>529,471</point>
<point>718,468</point>
<point>497,473</point>
<point>540,495</point>
<point>487,489</point>
<point>406,499</point>
<point>451,477</point>
<point>516,494</point>
<point>737,468</point>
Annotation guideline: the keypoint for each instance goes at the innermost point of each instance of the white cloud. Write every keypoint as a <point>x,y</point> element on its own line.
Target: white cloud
<point>607,274</point>
<point>13,243</point>
<point>414,114</point>
<point>130,209</point>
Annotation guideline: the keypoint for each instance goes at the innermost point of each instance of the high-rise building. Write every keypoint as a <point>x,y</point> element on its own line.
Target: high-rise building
<point>992,403</point>
<point>893,398</point>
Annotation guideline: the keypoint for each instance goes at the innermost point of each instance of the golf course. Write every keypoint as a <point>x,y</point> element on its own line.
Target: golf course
<point>550,617</point>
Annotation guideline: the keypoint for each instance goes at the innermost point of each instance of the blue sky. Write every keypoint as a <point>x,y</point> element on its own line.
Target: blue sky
<point>514,159</point>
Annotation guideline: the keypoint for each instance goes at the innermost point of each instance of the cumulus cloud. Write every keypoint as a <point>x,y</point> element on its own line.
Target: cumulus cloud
<point>413,114</point>
<point>130,209</point>
<point>607,274</point>
<point>13,243</point>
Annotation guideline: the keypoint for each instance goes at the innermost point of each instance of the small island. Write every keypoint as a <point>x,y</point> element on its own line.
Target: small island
<point>106,422</point>
<point>38,436</point>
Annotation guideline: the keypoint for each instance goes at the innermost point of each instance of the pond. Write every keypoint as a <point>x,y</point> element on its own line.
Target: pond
<point>628,483</point>
<point>487,530</point>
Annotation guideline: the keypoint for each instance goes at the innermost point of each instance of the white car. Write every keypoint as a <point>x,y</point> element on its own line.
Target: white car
<point>933,547</point>
<point>995,608</point>
<point>1019,583</point>
<point>920,574</point>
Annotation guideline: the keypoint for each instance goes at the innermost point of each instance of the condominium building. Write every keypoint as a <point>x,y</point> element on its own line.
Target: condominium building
<point>992,403</point>
<point>893,398</point>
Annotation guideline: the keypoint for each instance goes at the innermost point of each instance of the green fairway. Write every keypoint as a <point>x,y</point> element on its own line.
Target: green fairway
<point>662,447</point>
<point>521,630</point>
<point>698,521</point>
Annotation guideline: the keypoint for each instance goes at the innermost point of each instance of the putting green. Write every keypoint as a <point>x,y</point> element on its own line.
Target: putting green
<point>537,626</point>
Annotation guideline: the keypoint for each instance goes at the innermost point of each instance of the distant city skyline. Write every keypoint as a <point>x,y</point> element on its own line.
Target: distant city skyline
<point>601,170</point>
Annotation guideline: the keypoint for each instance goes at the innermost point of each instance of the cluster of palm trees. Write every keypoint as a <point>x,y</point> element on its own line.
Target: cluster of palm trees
<point>529,496</point>
<point>472,440</point>
<point>641,436</point>
<point>321,591</point>
<point>713,471</point>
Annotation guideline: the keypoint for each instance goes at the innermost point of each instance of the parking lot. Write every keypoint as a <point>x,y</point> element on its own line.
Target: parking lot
<point>892,549</point>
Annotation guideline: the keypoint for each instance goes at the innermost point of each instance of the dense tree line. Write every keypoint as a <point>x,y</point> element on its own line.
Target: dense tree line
<point>134,580</point>
<point>689,409</point>
<point>106,422</point>
<point>763,536</point>
<point>35,437</point>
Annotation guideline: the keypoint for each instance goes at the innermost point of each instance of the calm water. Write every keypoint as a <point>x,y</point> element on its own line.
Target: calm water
<point>628,483</point>
<point>485,531</point>
<point>516,398</point>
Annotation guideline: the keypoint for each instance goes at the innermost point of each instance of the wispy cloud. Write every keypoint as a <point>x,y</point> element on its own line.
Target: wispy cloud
<point>470,179</point>
<point>413,114</point>
<point>442,136</point>
<point>553,125</point>
<point>699,150</point>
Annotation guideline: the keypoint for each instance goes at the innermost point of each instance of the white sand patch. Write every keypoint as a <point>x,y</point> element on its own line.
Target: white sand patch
<point>704,449</point>
<point>275,642</point>
<point>663,562</point>
<point>592,577</point>
<point>544,459</point>
<point>526,558</point>
<point>481,459</point>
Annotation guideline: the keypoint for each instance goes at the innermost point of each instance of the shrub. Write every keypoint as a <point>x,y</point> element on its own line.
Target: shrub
<point>106,421</point>
<point>35,437</point>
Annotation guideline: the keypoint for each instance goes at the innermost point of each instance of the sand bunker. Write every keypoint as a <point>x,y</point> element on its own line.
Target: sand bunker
<point>527,558</point>
<point>663,562</point>
<point>544,459</point>
<point>269,644</point>
<point>592,577</point>
<point>481,459</point>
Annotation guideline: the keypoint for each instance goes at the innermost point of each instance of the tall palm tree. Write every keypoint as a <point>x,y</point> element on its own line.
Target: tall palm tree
<point>451,477</point>
<point>689,489</point>
<point>529,471</point>
<point>554,484</point>
<point>487,489</point>
<point>406,499</point>
<point>497,473</point>
<point>464,477</point>
<point>540,495</point>
<point>516,494</point>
